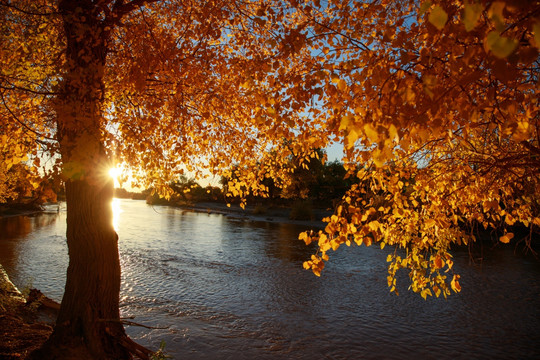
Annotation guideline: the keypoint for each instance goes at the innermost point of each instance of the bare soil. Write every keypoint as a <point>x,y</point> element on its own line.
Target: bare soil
<point>24,325</point>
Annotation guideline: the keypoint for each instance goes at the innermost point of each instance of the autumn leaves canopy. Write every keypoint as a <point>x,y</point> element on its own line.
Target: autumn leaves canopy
<point>437,106</point>
<point>435,103</point>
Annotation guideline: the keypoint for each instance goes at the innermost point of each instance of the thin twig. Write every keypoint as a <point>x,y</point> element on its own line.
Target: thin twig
<point>132,323</point>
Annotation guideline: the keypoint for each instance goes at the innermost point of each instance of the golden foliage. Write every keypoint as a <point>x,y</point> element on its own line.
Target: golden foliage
<point>441,106</point>
<point>436,105</point>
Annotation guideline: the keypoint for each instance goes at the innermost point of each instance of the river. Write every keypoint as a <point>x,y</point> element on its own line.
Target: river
<point>218,287</point>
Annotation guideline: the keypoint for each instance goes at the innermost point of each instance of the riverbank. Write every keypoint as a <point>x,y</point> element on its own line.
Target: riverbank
<point>22,329</point>
<point>11,211</point>
<point>272,214</point>
<point>16,211</point>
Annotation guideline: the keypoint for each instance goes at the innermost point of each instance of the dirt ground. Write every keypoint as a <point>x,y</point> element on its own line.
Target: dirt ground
<point>24,326</point>
<point>19,337</point>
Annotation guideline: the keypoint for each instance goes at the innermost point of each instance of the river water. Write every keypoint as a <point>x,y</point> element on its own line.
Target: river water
<point>218,287</point>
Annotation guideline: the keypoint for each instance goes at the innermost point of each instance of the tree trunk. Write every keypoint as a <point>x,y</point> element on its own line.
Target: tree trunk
<point>88,325</point>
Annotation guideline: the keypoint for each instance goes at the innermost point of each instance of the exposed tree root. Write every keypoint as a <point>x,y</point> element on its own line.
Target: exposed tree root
<point>135,349</point>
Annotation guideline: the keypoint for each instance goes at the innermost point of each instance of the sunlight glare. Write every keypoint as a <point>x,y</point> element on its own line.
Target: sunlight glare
<point>115,174</point>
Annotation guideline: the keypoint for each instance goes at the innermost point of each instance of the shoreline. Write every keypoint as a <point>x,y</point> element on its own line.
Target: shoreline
<point>271,214</point>
<point>11,211</point>
<point>8,211</point>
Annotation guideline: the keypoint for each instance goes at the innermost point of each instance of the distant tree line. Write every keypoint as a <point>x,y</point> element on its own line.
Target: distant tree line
<point>318,184</point>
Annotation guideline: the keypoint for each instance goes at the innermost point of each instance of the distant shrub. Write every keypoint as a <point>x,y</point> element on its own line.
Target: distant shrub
<point>301,210</point>
<point>259,209</point>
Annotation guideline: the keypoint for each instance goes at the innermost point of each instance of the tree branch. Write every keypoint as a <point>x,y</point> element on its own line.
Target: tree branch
<point>120,9</point>
<point>23,124</point>
<point>27,12</point>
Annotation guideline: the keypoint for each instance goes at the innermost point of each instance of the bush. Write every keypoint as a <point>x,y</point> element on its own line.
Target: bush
<point>301,210</point>
<point>259,209</point>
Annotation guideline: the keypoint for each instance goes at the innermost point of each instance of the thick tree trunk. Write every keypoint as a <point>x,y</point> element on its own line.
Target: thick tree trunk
<point>88,325</point>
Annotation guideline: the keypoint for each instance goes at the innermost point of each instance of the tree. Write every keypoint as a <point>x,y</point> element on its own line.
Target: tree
<point>154,85</point>
<point>442,108</point>
<point>440,100</point>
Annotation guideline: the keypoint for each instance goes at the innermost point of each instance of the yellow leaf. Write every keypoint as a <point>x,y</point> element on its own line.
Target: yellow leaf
<point>303,236</point>
<point>438,262</point>
<point>471,15</point>
<point>522,131</point>
<point>438,17</point>
<point>342,85</point>
<point>506,238</point>
<point>495,13</point>
<point>509,219</point>
<point>345,122</point>
<point>500,46</point>
<point>352,137</point>
<point>371,133</point>
<point>429,223</point>
<point>536,31</point>
<point>424,7</point>
<point>374,225</point>
<point>455,284</point>
<point>393,132</point>
<point>408,95</point>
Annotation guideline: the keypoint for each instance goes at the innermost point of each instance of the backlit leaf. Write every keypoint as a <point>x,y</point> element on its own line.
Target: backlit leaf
<point>438,17</point>
<point>455,283</point>
<point>471,14</point>
<point>506,238</point>
<point>495,13</point>
<point>536,33</point>
<point>500,46</point>
<point>424,7</point>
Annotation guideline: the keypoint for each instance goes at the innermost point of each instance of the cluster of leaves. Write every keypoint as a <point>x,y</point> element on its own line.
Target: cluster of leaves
<point>440,100</point>
<point>20,183</point>
<point>207,86</point>
<point>301,177</point>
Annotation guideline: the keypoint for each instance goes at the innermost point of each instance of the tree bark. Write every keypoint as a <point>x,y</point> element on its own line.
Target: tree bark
<point>88,324</point>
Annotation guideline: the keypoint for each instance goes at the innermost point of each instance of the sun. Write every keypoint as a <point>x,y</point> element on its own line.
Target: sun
<point>115,173</point>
